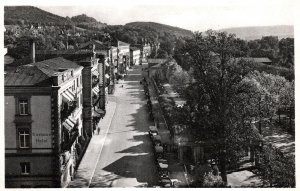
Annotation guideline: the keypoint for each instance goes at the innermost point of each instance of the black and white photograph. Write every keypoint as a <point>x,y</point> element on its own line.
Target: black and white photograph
<point>148,94</point>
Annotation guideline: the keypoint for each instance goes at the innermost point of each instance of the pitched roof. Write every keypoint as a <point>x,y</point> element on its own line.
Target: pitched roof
<point>64,52</point>
<point>120,43</point>
<point>39,73</point>
<point>156,66</point>
<point>134,48</point>
<point>262,60</point>
<point>258,60</point>
<point>54,65</point>
<point>26,75</point>
<point>157,61</point>
<point>98,45</point>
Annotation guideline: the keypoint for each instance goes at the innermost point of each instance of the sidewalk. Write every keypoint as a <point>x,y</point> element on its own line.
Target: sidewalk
<point>89,161</point>
<point>280,139</point>
<point>244,178</point>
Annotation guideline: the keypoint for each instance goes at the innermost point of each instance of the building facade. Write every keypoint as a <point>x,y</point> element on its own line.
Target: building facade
<point>123,57</point>
<point>146,51</point>
<point>135,56</point>
<point>43,123</point>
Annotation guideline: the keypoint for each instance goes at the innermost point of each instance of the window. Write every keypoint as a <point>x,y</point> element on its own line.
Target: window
<point>24,138</point>
<point>77,82</point>
<point>23,107</point>
<point>25,168</point>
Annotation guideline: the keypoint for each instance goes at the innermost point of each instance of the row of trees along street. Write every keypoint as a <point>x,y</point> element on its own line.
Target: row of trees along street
<point>226,97</point>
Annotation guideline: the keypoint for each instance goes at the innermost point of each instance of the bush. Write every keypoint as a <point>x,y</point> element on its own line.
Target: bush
<point>212,181</point>
<point>277,169</point>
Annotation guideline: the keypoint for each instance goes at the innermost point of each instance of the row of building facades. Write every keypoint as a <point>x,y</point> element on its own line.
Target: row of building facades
<point>53,106</point>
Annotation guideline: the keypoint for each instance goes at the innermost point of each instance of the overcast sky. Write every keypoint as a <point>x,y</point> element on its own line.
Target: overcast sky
<point>189,14</point>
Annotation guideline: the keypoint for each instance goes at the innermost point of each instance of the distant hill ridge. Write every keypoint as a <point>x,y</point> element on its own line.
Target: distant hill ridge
<point>251,33</point>
<point>160,28</point>
<point>31,14</point>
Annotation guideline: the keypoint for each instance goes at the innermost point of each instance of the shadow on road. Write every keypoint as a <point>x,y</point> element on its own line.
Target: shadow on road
<point>138,161</point>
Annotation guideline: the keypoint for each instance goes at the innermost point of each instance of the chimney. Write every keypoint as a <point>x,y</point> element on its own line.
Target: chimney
<point>32,51</point>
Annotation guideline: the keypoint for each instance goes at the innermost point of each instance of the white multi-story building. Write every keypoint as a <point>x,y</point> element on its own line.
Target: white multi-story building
<point>135,56</point>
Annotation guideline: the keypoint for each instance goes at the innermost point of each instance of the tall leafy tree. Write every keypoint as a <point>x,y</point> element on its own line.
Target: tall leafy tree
<point>216,89</point>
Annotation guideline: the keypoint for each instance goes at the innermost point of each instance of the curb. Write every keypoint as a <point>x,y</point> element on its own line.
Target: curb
<point>85,181</point>
<point>107,129</point>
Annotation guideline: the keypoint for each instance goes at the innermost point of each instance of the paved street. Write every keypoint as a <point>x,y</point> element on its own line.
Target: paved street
<point>126,158</point>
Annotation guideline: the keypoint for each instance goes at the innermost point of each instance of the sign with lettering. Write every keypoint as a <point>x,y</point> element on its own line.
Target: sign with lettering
<point>41,140</point>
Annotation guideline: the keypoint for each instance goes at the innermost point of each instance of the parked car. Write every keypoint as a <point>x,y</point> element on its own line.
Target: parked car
<point>159,151</point>
<point>152,131</point>
<point>156,140</point>
<point>165,183</point>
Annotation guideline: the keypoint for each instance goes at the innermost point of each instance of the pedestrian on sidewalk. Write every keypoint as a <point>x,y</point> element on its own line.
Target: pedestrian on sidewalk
<point>98,130</point>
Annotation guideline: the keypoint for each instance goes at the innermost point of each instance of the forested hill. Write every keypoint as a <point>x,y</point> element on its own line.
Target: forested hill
<point>252,33</point>
<point>87,22</point>
<point>30,14</point>
<point>161,28</point>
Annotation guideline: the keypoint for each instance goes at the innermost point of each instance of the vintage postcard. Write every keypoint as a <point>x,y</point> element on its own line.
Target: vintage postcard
<point>138,94</point>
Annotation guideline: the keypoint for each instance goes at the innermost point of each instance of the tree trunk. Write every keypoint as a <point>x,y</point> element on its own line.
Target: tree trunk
<point>223,166</point>
<point>279,115</point>
<point>259,127</point>
<point>251,153</point>
<point>291,119</point>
